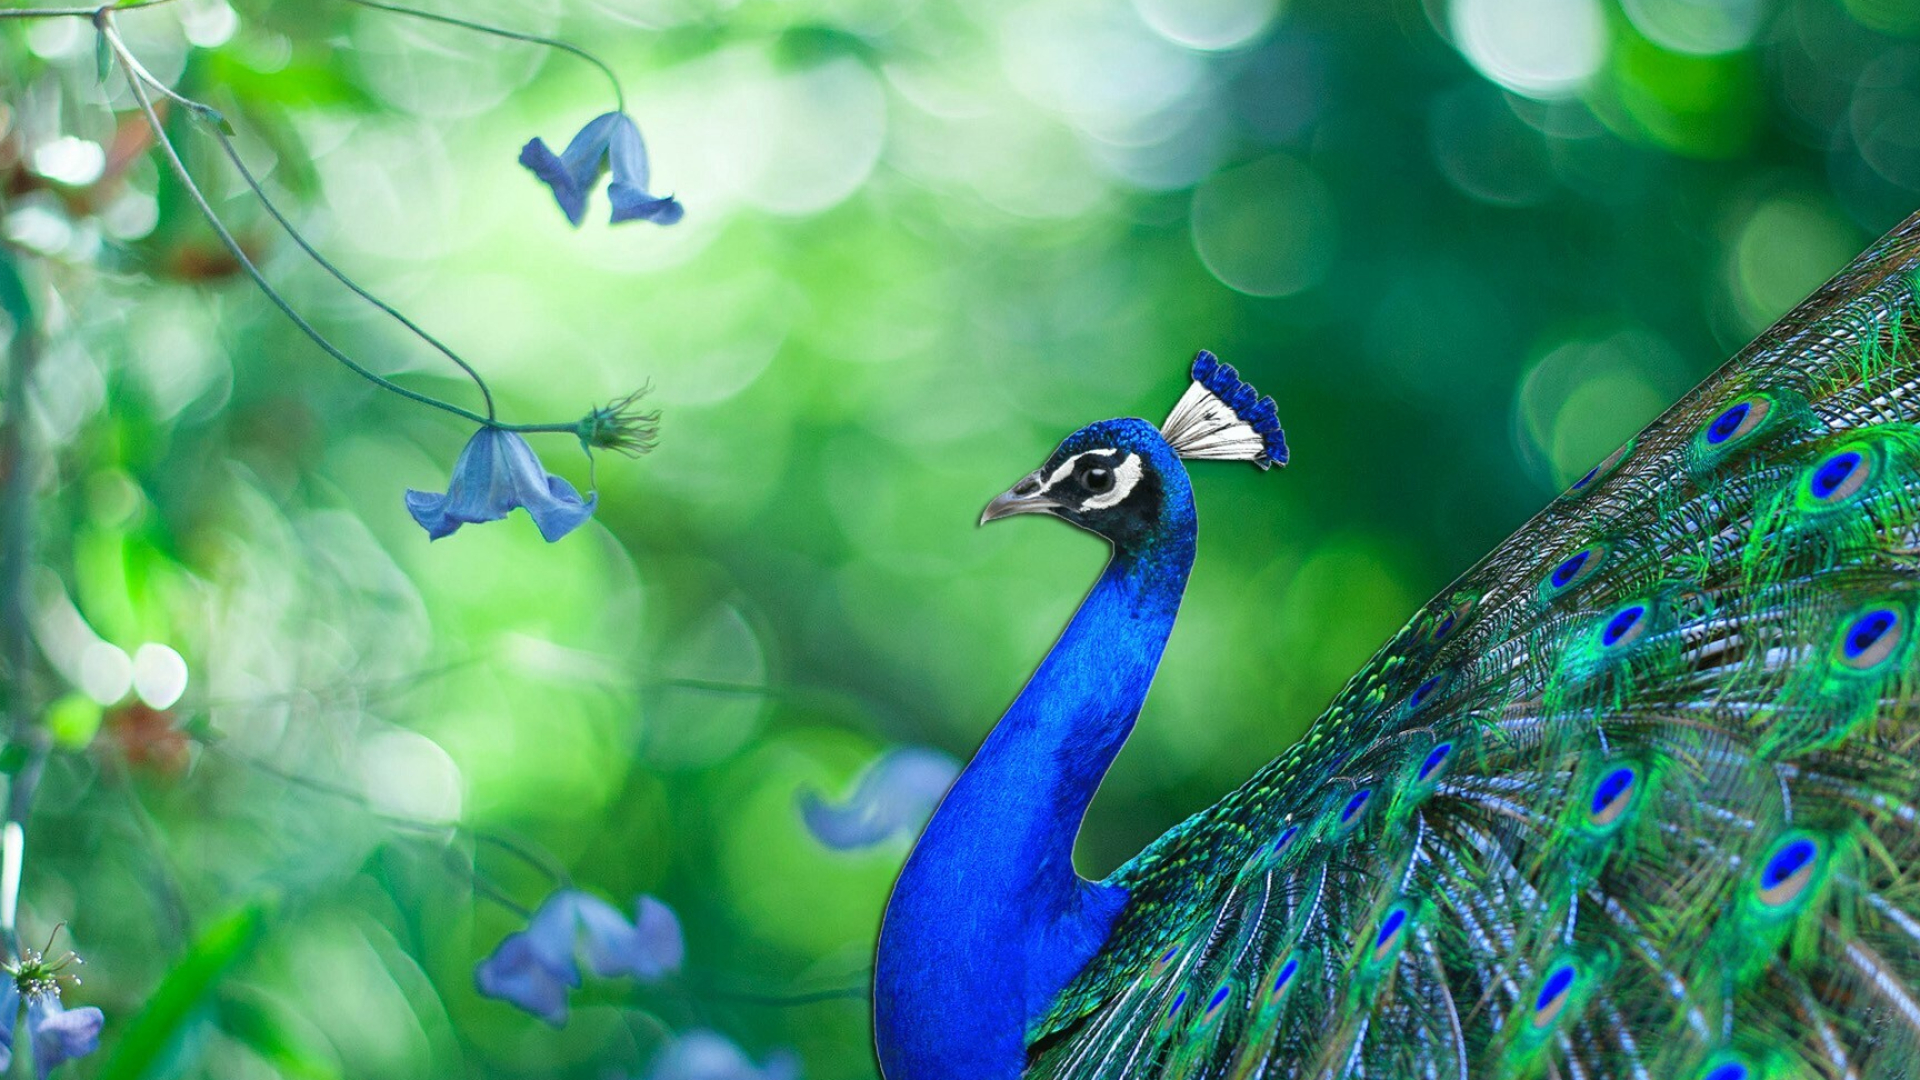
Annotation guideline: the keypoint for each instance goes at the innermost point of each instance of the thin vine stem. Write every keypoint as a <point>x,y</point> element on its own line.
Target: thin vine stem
<point>540,861</point>
<point>211,117</point>
<point>233,155</point>
<point>103,20</point>
<point>619,94</point>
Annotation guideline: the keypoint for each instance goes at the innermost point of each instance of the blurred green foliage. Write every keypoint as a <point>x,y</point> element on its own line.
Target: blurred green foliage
<point>1469,246</point>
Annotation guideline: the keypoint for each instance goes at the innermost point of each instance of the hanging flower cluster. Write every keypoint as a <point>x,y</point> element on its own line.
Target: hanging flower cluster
<point>535,968</point>
<point>609,143</point>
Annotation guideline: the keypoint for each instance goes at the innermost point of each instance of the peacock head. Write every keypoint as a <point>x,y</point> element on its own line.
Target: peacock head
<point>1123,480</point>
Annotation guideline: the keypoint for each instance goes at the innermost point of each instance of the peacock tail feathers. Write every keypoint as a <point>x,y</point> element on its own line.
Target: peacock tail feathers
<point>1635,797</point>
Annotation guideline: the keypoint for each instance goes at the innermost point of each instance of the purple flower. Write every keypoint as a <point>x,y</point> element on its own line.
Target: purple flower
<point>708,1055</point>
<point>58,1034</point>
<point>496,472</point>
<point>536,967</point>
<point>610,141</point>
<point>897,793</point>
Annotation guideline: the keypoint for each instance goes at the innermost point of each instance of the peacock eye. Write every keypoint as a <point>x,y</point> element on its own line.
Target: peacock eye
<point>1099,481</point>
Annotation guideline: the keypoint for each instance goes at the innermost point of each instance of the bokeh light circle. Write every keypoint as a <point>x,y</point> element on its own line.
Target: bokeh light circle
<point>1540,48</point>
<point>106,672</point>
<point>1698,27</point>
<point>1212,25</point>
<point>1267,228</point>
<point>1487,152</point>
<point>159,674</point>
<point>804,139</point>
<point>1783,251</point>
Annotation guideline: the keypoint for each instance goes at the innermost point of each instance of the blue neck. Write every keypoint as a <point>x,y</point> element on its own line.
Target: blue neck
<point>989,920</point>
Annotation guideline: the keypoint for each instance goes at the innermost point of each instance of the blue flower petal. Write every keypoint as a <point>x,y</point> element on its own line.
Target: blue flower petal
<point>517,973</point>
<point>9,1016</point>
<point>649,948</point>
<point>497,471</point>
<point>631,204</point>
<point>660,939</point>
<point>628,193</point>
<point>708,1055</point>
<point>534,968</point>
<point>897,793</point>
<point>558,509</point>
<point>550,933</point>
<point>627,155</point>
<point>59,1034</point>
<point>571,197</point>
<point>576,169</point>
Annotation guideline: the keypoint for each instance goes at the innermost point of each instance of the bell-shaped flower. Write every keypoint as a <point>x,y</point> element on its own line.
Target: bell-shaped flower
<point>897,793</point>
<point>496,472</point>
<point>708,1055</point>
<point>609,143</point>
<point>536,967</point>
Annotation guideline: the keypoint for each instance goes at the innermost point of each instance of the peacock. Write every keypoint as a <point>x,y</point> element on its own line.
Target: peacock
<point>1635,797</point>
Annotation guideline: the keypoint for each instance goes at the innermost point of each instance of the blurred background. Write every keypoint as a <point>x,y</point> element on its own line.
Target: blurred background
<point>1468,245</point>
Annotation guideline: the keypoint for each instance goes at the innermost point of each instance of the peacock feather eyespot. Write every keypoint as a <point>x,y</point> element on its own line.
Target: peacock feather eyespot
<point>1386,941</point>
<point>1435,758</point>
<point>1574,570</point>
<point>1281,842</point>
<point>1284,977</point>
<point>1612,796</point>
<point>1737,421</point>
<point>1355,807</point>
<point>1838,477</point>
<point>1164,961</point>
<point>1788,870</point>
<point>1595,475</point>
<point>1871,638</point>
<point>1179,1000</point>
<point>1625,626</point>
<point>1554,994</point>
<point>1428,689</point>
<point>1217,1002</point>
<point>1448,621</point>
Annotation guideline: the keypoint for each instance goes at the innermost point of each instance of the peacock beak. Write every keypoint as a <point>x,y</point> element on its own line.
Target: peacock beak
<point>1029,496</point>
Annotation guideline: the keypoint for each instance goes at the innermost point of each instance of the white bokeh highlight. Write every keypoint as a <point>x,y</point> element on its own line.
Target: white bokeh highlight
<point>1539,48</point>
<point>159,675</point>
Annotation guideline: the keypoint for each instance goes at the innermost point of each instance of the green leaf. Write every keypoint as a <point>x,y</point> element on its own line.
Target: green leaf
<point>185,990</point>
<point>102,56</point>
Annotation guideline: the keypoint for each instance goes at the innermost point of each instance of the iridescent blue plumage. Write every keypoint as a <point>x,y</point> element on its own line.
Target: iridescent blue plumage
<point>989,919</point>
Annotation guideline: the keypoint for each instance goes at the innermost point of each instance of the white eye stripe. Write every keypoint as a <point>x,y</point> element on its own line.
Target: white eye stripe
<point>1125,476</point>
<point>1066,468</point>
